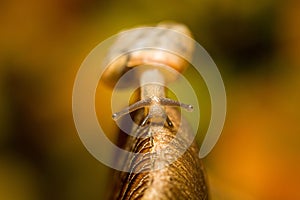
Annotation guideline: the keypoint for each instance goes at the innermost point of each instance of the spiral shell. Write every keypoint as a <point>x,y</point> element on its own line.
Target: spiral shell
<point>172,44</point>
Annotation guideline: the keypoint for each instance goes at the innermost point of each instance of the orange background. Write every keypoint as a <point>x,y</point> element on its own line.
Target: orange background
<point>255,44</point>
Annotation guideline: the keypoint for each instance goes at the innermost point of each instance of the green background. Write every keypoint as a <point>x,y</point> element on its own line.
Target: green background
<point>255,44</point>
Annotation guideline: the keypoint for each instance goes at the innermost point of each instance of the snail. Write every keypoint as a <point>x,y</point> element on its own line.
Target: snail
<point>161,133</point>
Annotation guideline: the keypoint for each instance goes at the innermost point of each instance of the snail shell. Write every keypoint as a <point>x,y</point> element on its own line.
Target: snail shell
<point>171,42</point>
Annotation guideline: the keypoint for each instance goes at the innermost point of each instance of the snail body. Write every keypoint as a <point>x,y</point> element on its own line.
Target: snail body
<point>166,163</point>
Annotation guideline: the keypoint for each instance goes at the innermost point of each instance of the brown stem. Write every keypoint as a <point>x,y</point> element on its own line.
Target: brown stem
<point>182,179</point>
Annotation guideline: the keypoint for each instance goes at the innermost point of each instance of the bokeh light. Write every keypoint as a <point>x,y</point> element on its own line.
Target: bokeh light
<point>255,44</point>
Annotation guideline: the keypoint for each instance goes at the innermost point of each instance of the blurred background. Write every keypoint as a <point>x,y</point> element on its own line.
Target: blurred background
<point>255,44</point>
